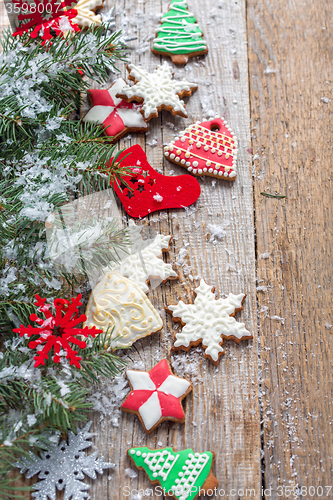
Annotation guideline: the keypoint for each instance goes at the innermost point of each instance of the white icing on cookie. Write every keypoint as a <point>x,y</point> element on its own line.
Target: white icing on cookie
<point>179,33</point>
<point>138,267</point>
<point>85,13</point>
<point>209,319</point>
<point>207,148</point>
<point>157,89</point>
<point>153,394</point>
<point>116,115</point>
<point>119,306</point>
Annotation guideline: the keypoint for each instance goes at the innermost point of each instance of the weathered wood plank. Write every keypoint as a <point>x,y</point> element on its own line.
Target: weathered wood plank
<point>290,52</point>
<point>4,21</point>
<point>222,413</point>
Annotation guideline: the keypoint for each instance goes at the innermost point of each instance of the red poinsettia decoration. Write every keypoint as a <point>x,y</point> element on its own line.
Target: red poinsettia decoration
<point>58,330</point>
<point>44,16</point>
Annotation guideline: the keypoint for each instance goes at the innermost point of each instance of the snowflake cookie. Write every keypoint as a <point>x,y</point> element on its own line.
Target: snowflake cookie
<point>86,15</point>
<point>208,321</point>
<point>116,116</point>
<point>121,308</point>
<point>184,474</point>
<point>156,396</point>
<point>64,466</point>
<point>146,263</point>
<point>157,91</point>
<point>207,148</point>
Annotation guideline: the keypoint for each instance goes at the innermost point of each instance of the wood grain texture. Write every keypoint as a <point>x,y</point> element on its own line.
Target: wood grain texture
<point>4,21</point>
<point>290,54</point>
<point>222,412</point>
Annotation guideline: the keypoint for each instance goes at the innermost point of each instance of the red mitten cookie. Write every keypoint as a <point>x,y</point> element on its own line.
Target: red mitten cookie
<point>207,148</point>
<point>152,191</point>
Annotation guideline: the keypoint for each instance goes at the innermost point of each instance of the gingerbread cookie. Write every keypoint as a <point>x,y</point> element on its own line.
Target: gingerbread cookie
<point>183,475</point>
<point>141,266</point>
<point>151,191</point>
<point>116,116</point>
<point>179,37</point>
<point>207,148</point>
<point>157,91</point>
<point>156,396</point>
<point>86,13</point>
<point>121,308</point>
<point>208,321</point>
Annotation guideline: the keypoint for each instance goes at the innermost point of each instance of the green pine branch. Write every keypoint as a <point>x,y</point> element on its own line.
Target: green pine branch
<point>49,159</point>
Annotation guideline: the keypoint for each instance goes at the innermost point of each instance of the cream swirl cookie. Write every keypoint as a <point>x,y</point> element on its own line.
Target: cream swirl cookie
<point>118,306</point>
<point>86,13</point>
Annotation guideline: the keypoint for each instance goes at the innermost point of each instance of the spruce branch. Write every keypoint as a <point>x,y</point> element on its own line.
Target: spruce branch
<point>48,159</point>
<point>99,359</point>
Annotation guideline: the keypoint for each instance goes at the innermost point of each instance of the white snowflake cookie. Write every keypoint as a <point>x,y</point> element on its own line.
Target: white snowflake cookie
<point>146,265</point>
<point>208,321</point>
<point>157,91</point>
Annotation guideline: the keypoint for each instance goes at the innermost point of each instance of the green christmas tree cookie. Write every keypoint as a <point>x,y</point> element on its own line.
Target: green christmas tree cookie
<point>183,475</point>
<point>180,36</point>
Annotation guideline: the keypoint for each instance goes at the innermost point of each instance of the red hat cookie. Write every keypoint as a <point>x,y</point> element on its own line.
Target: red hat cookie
<point>207,148</point>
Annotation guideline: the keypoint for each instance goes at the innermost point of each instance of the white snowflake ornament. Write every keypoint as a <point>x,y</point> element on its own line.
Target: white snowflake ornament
<point>157,91</point>
<point>145,263</point>
<point>208,321</point>
<point>63,466</point>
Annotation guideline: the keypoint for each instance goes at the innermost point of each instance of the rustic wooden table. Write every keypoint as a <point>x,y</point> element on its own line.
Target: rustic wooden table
<point>266,409</point>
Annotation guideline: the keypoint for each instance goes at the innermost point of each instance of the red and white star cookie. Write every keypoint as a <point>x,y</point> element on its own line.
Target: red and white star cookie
<point>156,396</point>
<point>207,148</point>
<point>117,116</point>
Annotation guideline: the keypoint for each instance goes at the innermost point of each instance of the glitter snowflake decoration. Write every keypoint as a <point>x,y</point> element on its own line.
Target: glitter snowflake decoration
<point>209,321</point>
<point>157,90</point>
<point>46,17</point>
<point>63,466</point>
<point>57,330</point>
